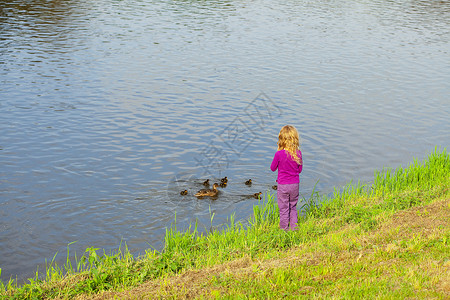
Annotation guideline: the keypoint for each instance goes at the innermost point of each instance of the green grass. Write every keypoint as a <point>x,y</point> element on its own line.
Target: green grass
<point>337,251</point>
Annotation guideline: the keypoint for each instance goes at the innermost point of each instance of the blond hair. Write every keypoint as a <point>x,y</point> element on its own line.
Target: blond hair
<point>288,139</point>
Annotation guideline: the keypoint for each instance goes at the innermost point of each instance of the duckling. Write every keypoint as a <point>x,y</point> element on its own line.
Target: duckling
<point>206,182</point>
<point>275,187</point>
<point>223,184</point>
<point>208,192</point>
<point>248,182</point>
<point>184,193</point>
<point>224,180</point>
<point>257,195</point>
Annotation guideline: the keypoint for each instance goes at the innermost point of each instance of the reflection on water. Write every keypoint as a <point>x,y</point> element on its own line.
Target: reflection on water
<point>109,110</point>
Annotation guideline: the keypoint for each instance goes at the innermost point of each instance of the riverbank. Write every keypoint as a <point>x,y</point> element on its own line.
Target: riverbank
<point>406,256</point>
<point>387,239</point>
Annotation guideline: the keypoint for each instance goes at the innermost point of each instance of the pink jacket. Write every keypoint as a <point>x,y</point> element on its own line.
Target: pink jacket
<point>288,169</point>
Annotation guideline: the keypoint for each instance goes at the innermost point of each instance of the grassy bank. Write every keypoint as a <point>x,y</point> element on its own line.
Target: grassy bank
<point>388,239</point>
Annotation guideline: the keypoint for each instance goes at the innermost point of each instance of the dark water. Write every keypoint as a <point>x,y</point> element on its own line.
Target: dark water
<point>109,109</point>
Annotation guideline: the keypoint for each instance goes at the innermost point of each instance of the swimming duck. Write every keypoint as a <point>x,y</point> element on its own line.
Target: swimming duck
<point>248,182</point>
<point>183,193</point>
<point>257,195</point>
<point>223,184</point>
<point>275,187</point>
<point>224,180</point>
<point>206,182</point>
<point>208,192</point>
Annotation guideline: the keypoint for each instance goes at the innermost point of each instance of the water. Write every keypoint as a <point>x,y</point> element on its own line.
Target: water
<point>109,109</point>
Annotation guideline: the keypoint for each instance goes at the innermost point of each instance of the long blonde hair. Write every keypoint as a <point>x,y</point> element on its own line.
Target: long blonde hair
<point>288,139</point>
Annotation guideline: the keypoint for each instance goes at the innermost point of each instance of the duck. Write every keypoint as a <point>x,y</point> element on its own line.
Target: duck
<point>224,180</point>
<point>257,195</point>
<point>206,182</point>
<point>248,182</point>
<point>183,193</point>
<point>208,192</point>
<point>275,187</point>
<point>223,184</point>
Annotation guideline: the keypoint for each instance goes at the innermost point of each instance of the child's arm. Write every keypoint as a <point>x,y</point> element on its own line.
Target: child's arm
<point>300,167</point>
<point>275,161</point>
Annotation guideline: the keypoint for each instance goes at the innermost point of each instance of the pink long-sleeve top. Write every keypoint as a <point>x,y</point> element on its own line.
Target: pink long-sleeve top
<point>288,169</point>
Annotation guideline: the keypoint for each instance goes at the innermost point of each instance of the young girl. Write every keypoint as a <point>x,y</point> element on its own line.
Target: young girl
<point>288,161</point>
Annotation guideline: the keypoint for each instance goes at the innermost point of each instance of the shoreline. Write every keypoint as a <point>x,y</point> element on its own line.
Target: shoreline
<point>383,248</point>
<point>329,234</point>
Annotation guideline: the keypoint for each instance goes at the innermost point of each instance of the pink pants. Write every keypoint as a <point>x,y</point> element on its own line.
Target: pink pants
<point>287,196</point>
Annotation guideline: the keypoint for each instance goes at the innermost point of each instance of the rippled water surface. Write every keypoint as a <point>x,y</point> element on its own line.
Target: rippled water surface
<point>109,109</point>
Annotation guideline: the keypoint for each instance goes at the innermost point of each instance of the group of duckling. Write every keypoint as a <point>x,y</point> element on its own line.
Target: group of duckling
<point>214,191</point>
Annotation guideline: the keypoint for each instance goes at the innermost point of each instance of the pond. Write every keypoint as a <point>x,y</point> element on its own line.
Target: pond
<point>109,109</point>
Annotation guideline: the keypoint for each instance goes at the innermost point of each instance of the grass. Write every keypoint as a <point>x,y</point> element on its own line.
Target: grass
<point>389,239</point>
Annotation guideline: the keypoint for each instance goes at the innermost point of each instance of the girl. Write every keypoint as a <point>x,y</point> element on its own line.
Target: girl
<point>288,161</point>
